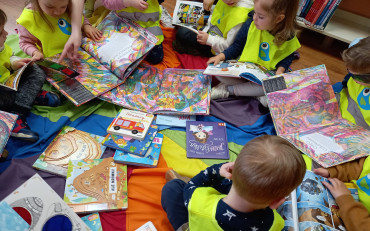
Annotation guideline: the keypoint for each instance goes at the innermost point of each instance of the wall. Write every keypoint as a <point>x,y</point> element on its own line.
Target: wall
<point>360,7</point>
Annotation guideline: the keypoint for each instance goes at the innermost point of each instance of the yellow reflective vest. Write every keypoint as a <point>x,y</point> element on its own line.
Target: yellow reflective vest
<point>5,67</point>
<point>363,184</point>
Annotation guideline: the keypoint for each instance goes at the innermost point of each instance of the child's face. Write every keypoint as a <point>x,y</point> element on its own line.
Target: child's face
<point>54,8</point>
<point>262,19</point>
<point>3,35</point>
<point>231,2</point>
<point>201,135</point>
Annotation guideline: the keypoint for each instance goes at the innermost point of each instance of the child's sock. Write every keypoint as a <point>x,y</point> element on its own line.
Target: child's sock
<point>220,91</point>
<point>47,98</point>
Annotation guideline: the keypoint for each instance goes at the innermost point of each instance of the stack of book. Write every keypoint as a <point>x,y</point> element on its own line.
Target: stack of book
<point>316,13</point>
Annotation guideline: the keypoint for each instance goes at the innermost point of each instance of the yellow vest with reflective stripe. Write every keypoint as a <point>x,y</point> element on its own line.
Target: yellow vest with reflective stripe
<point>202,211</point>
<point>52,42</point>
<point>5,55</point>
<point>261,49</point>
<point>363,184</point>
<point>225,17</point>
<point>148,18</point>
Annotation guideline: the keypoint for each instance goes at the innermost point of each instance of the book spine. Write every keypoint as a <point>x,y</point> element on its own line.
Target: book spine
<point>323,13</point>
<point>330,15</point>
<point>307,9</point>
<point>300,7</point>
<point>321,8</point>
<point>304,7</point>
<point>319,25</point>
<point>312,13</point>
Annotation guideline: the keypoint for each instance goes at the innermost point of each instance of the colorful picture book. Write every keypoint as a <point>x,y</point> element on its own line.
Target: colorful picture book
<point>174,120</point>
<point>10,219</point>
<point>310,118</point>
<point>147,227</point>
<point>11,82</point>
<point>150,159</point>
<point>69,144</point>
<point>7,122</point>
<point>93,221</point>
<point>36,202</point>
<point>172,91</point>
<point>311,206</point>
<point>127,144</point>
<point>96,185</point>
<point>131,124</point>
<point>103,64</point>
<point>235,69</point>
<point>206,140</point>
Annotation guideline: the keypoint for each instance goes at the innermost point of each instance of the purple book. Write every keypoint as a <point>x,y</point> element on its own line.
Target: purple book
<point>206,140</point>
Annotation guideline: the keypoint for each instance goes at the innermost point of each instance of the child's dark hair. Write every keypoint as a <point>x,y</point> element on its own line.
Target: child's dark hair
<point>267,168</point>
<point>287,28</point>
<point>3,18</point>
<point>36,7</point>
<point>357,57</point>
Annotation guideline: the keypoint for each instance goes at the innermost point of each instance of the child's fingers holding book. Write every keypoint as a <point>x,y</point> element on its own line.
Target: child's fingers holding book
<point>216,59</point>
<point>336,187</point>
<point>322,172</point>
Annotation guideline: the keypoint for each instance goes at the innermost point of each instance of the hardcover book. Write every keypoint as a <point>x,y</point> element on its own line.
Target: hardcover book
<point>310,118</point>
<point>93,221</point>
<point>69,144</point>
<point>36,202</point>
<point>132,124</point>
<point>103,64</point>
<point>150,159</point>
<point>174,120</point>
<point>171,91</point>
<point>7,122</point>
<point>10,219</point>
<point>206,140</point>
<point>96,185</point>
<point>127,144</point>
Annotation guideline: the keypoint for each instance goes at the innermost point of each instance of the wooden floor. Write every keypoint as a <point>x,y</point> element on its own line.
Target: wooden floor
<point>313,51</point>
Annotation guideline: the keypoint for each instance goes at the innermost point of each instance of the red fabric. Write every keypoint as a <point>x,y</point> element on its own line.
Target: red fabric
<point>192,62</point>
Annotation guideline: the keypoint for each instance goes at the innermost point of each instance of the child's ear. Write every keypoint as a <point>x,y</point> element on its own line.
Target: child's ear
<point>280,18</point>
<point>276,203</point>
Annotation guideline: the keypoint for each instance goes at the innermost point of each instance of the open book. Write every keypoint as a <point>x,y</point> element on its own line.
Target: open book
<point>176,91</point>
<point>311,206</point>
<point>232,68</point>
<point>103,64</point>
<point>191,15</point>
<point>306,113</point>
<point>12,81</point>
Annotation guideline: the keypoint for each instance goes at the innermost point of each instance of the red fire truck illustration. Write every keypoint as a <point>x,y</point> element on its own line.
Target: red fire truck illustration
<point>135,127</point>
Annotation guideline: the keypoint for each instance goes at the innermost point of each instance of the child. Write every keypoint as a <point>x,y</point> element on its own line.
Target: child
<point>227,18</point>
<point>44,28</point>
<point>267,38</point>
<point>147,14</point>
<point>29,89</point>
<point>266,170</point>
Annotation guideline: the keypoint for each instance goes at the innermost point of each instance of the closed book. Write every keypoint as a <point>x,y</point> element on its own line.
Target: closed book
<point>320,10</point>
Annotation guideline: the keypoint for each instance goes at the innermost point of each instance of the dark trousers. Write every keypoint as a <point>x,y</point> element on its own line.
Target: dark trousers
<point>155,56</point>
<point>173,203</point>
<point>188,40</point>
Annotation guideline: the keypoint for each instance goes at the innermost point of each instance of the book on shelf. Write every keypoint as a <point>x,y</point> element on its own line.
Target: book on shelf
<point>35,199</point>
<point>131,145</point>
<point>310,118</point>
<point>103,64</point>
<point>174,120</point>
<point>69,144</point>
<point>7,122</point>
<point>11,220</point>
<point>232,68</point>
<point>93,221</point>
<point>171,91</point>
<point>11,82</point>
<point>96,185</point>
<point>311,206</point>
<point>131,123</point>
<point>206,140</point>
<point>147,227</point>
<point>149,159</point>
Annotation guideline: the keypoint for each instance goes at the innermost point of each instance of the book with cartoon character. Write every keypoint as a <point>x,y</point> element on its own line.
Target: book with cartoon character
<point>93,221</point>
<point>206,140</point>
<point>311,206</point>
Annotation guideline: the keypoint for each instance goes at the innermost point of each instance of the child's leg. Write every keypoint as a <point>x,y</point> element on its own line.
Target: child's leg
<point>186,42</point>
<point>155,56</point>
<point>173,203</point>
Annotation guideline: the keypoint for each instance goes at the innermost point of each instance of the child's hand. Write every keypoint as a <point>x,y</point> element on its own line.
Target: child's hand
<point>16,64</point>
<point>322,172</point>
<point>138,4</point>
<point>337,187</point>
<point>92,33</point>
<point>226,170</point>
<point>202,37</point>
<point>207,4</point>
<point>216,59</point>
<point>37,55</point>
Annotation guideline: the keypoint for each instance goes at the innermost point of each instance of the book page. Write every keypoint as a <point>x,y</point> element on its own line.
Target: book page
<point>13,79</point>
<point>110,51</point>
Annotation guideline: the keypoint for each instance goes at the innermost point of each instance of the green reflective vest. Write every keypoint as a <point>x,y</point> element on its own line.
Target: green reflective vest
<point>261,49</point>
<point>5,67</point>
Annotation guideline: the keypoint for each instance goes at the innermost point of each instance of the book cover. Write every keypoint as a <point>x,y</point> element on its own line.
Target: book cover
<point>7,122</point>
<point>96,185</point>
<point>10,219</point>
<point>206,140</point>
<point>147,227</point>
<point>310,118</point>
<point>131,123</point>
<point>12,81</point>
<point>69,144</point>
<point>39,204</point>
<point>127,144</point>
<point>93,221</point>
<point>171,91</point>
<point>150,159</point>
<point>174,120</point>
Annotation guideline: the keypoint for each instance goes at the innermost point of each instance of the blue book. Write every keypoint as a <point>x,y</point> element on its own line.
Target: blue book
<point>150,159</point>
<point>10,219</point>
<point>93,221</point>
<point>128,144</point>
<point>174,120</point>
<point>323,14</point>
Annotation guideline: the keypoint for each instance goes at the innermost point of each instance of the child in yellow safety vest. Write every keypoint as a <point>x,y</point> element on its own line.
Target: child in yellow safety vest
<point>261,179</point>
<point>267,38</point>
<point>44,27</point>
<point>355,107</point>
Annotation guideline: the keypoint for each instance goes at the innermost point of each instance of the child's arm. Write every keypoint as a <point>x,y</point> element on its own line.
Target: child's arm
<point>27,42</point>
<point>90,31</point>
<point>121,4</point>
<point>207,4</point>
<point>219,44</point>
<point>284,64</point>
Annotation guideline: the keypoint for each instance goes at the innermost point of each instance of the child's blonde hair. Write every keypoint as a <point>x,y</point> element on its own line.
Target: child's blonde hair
<point>357,57</point>
<point>267,168</point>
<point>287,28</point>
<point>36,7</point>
<point>3,18</point>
